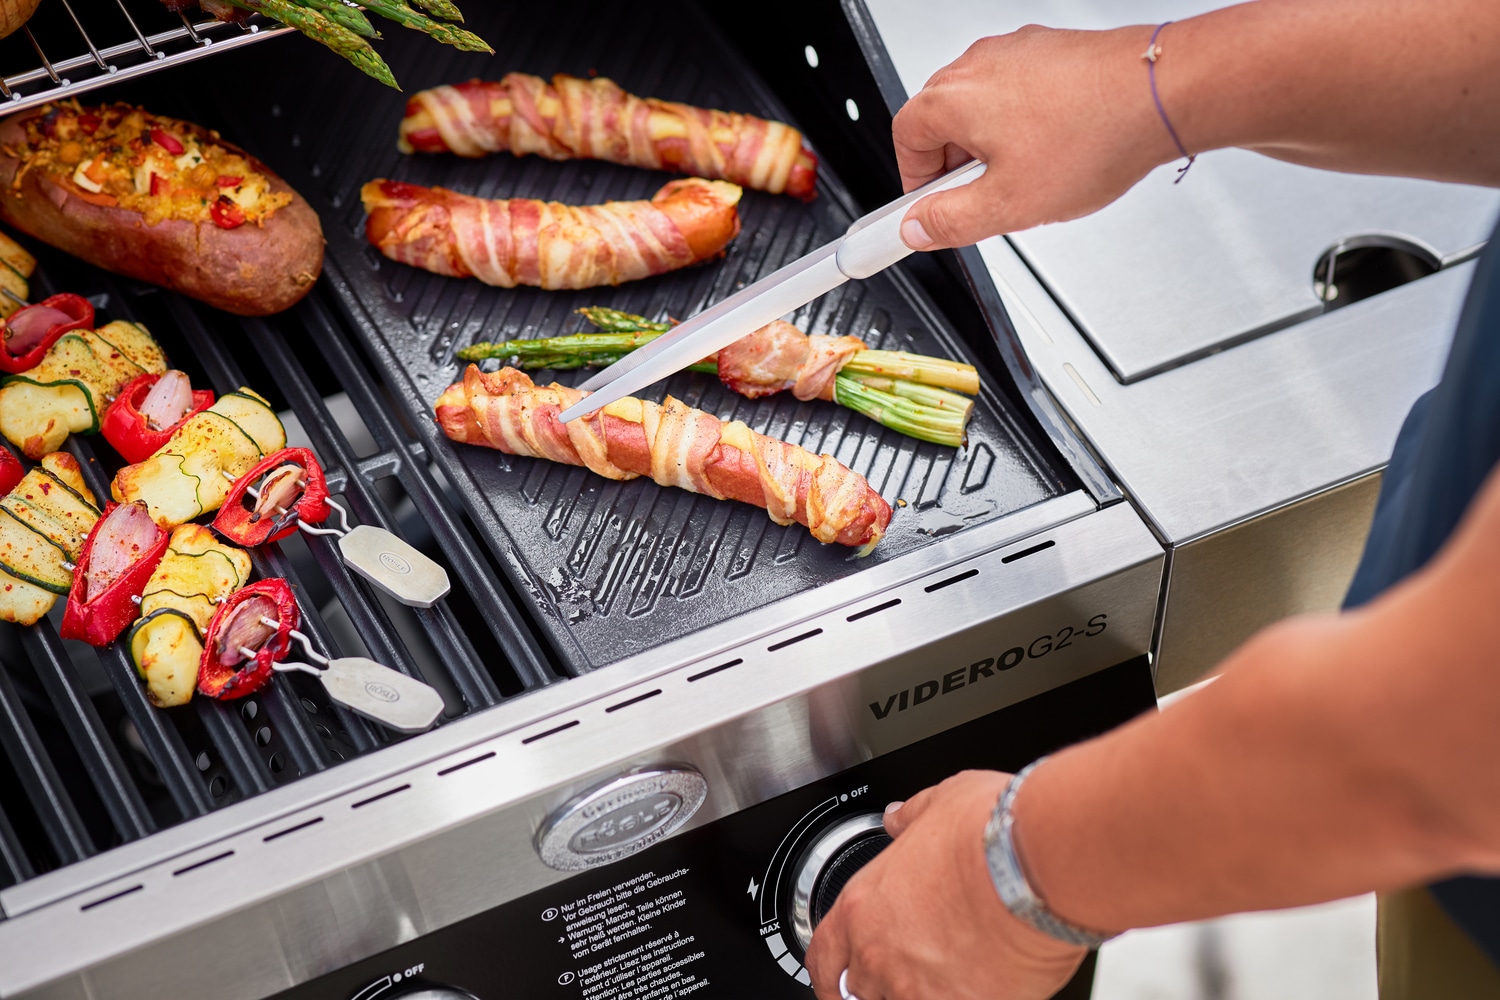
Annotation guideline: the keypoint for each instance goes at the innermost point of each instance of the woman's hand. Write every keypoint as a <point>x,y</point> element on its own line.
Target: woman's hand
<point>923,919</point>
<point>1063,120</point>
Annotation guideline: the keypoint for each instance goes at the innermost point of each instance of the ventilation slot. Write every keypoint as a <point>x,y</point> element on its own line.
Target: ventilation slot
<point>110,899</point>
<point>867,612</point>
<point>783,644</point>
<point>713,670</point>
<point>634,701</point>
<point>292,829</point>
<point>1027,552</point>
<point>460,767</point>
<point>199,864</point>
<point>960,578</point>
<point>550,732</point>
<point>377,798</point>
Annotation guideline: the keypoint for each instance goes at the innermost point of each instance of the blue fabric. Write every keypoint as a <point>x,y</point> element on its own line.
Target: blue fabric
<point>1448,445</point>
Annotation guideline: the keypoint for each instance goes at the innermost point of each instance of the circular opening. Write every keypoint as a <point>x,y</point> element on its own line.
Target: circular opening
<point>1362,266</point>
<point>250,711</point>
<point>218,786</point>
<point>309,706</point>
<point>203,761</point>
<point>263,735</point>
<point>812,56</point>
<point>851,109</point>
<point>277,763</point>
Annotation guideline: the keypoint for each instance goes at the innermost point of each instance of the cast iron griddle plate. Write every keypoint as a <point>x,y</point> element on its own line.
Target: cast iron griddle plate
<point>612,569</point>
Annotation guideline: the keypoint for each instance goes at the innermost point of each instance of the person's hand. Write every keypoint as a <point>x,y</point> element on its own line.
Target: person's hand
<point>1063,121</point>
<point>923,919</point>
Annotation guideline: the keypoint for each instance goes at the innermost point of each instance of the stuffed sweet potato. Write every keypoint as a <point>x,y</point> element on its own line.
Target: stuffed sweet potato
<point>161,200</point>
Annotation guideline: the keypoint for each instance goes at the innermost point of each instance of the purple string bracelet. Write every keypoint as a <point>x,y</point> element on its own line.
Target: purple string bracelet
<point>1152,53</point>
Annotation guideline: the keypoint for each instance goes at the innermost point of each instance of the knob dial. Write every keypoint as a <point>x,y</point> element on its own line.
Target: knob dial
<point>827,865</point>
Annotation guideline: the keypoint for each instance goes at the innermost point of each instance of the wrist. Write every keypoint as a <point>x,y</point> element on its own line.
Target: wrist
<point>1012,881</point>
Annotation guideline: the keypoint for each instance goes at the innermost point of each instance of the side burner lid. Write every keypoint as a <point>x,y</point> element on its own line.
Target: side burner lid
<point>1172,272</point>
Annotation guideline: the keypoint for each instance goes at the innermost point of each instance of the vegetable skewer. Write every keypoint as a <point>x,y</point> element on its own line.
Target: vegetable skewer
<point>914,394</point>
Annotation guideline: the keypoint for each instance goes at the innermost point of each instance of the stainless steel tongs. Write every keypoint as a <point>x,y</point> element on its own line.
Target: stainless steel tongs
<point>872,244</point>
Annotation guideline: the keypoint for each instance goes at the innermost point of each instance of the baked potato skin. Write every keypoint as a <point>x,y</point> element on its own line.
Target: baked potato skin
<point>249,270</point>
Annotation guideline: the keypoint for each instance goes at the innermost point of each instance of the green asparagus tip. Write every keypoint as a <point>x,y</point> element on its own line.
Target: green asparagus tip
<point>616,321</point>
<point>369,61</point>
<point>440,8</point>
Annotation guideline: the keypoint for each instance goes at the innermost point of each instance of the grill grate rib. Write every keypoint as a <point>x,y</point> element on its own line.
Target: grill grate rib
<point>106,769</point>
<point>59,818</point>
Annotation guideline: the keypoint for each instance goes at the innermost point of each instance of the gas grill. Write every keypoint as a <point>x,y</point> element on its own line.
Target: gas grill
<point>670,724</point>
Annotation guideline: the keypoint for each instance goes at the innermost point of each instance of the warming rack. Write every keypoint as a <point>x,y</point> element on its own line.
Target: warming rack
<point>139,53</point>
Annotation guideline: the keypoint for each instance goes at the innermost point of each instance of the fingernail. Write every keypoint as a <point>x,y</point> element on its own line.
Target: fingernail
<point>891,809</point>
<point>914,236</point>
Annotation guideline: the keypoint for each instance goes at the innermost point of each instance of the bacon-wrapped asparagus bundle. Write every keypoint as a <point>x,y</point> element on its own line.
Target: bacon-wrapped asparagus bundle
<point>911,393</point>
<point>572,118</point>
<point>522,241</point>
<point>673,444</point>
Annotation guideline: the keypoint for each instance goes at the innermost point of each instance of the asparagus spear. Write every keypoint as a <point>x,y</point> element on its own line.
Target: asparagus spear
<point>320,29</point>
<point>449,34</point>
<point>909,393</point>
<point>343,15</point>
<point>440,8</point>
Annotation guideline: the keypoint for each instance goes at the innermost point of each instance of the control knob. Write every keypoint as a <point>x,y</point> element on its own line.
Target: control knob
<point>827,864</point>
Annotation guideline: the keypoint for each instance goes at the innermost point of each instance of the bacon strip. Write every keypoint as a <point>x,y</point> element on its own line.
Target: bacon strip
<point>573,118</point>
<point>779,356</point>
<point>521,241</point>
<point>673,444</point>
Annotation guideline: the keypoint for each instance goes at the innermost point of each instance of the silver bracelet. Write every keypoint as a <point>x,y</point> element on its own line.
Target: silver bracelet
<point>1010,881</point>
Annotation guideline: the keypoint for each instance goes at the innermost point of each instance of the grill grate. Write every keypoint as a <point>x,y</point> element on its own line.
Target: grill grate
<point>120,39</point>
<point>90,764</point>
<point>613,569</point>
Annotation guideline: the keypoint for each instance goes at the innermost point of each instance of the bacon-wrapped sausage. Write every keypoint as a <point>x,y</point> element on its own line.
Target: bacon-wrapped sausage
<point>571,118</point>
<point>673,444</point>
<point>522,241</point>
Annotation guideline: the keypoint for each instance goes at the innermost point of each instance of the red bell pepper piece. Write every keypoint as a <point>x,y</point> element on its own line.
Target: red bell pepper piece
<point>117,561</point>
<point>224,181</point>
<point>27,333</point>
<point>126,428</point>
<point>247,521</point>
<point>158,186</point>
<point>226,214</point>
<point>167,141</point>
<point>225,672</point>
<point>11,472</point>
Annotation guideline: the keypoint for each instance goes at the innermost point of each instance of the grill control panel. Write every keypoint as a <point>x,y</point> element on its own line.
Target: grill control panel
<point>726,909</point>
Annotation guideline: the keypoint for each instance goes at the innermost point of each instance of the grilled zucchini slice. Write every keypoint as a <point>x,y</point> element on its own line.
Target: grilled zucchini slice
<point>166,647</point>
<point>29,555</point>
<point>255,417</point>
<point>186,477</point>
<point>22,602</point>
<point>136,345</point>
